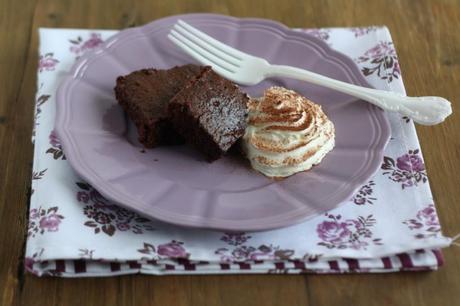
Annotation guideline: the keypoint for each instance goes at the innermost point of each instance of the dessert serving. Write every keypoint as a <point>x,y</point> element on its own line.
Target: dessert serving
<point>286,133</point>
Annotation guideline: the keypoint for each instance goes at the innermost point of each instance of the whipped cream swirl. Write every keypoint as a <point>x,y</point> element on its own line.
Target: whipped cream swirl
<point>286,133</point>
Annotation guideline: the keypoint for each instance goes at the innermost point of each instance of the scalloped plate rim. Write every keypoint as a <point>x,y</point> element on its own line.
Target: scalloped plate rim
<point>79,166</point>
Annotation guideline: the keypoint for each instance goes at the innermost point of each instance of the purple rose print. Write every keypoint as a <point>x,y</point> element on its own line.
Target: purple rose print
<point>123,226</point>
<point>43,220</point>
<point>333,231</point>
<point>34,214</point>
<point>250,253</point>
<point>50,222</point>
<point>171,250</point>
<point>82,197</point>
<point>409,169</point>
<point>30,261</point>
<point>106,217</point>
<point>174,249</point>
<point>425,223</point>
<point>410,162</point>
<point>47,62</point>
<point>363,31</point>
<point>428,216</point>
<point>382,60</point>
<point>364,194</point>
<point>56,148</point>
<point>235,238</point>
<point>322,34</point>
<point>80,46</point>
<point>351,233</point>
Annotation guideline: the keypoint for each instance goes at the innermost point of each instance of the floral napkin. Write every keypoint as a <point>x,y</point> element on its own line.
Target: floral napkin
<point>390,224</point>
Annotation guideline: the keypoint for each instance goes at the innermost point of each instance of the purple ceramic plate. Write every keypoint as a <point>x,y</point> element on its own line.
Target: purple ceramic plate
<point>175,184</point>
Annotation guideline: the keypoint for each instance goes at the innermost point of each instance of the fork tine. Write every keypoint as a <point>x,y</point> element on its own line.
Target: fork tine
<point>207,46</point>
<point>203,52</point>
<point>200,58</point>
<point>217,44</point>
<point>189,51</point>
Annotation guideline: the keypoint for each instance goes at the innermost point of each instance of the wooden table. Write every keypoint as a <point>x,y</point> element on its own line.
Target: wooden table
<point>427,38</point>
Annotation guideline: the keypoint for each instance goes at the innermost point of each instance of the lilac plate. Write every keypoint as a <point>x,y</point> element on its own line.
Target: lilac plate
<point>175,184</point>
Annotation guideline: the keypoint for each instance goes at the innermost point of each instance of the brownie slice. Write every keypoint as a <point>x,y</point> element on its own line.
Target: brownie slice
<point>145,94</point>
<point>210,112</point>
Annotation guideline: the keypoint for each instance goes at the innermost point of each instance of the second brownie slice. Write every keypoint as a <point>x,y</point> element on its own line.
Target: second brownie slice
<point>210,112</point>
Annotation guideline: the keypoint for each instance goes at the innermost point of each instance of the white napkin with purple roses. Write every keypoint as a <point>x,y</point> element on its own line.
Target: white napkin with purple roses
<point>389,225</point>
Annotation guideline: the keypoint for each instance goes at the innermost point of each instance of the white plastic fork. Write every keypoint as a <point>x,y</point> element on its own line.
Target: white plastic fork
<point>245,69</point>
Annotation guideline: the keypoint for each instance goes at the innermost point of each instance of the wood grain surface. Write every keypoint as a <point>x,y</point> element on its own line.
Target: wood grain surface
<point>427,39</point>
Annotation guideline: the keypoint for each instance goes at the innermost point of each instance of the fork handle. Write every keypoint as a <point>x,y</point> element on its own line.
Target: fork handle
<point>423,110</point>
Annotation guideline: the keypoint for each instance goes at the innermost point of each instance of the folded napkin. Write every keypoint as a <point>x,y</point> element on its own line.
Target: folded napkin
<point>390,224</point>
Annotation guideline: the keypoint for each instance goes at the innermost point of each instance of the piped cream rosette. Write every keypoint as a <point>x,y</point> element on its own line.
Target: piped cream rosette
<point>286,133</point>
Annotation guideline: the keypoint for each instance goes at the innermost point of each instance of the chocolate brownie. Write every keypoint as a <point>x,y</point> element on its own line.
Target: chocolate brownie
<point>210,112</point>
<point>145,94</point>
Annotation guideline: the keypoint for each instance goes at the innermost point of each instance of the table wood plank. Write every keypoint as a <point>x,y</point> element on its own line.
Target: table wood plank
<point>427,40</point>
<point>15,120</point>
